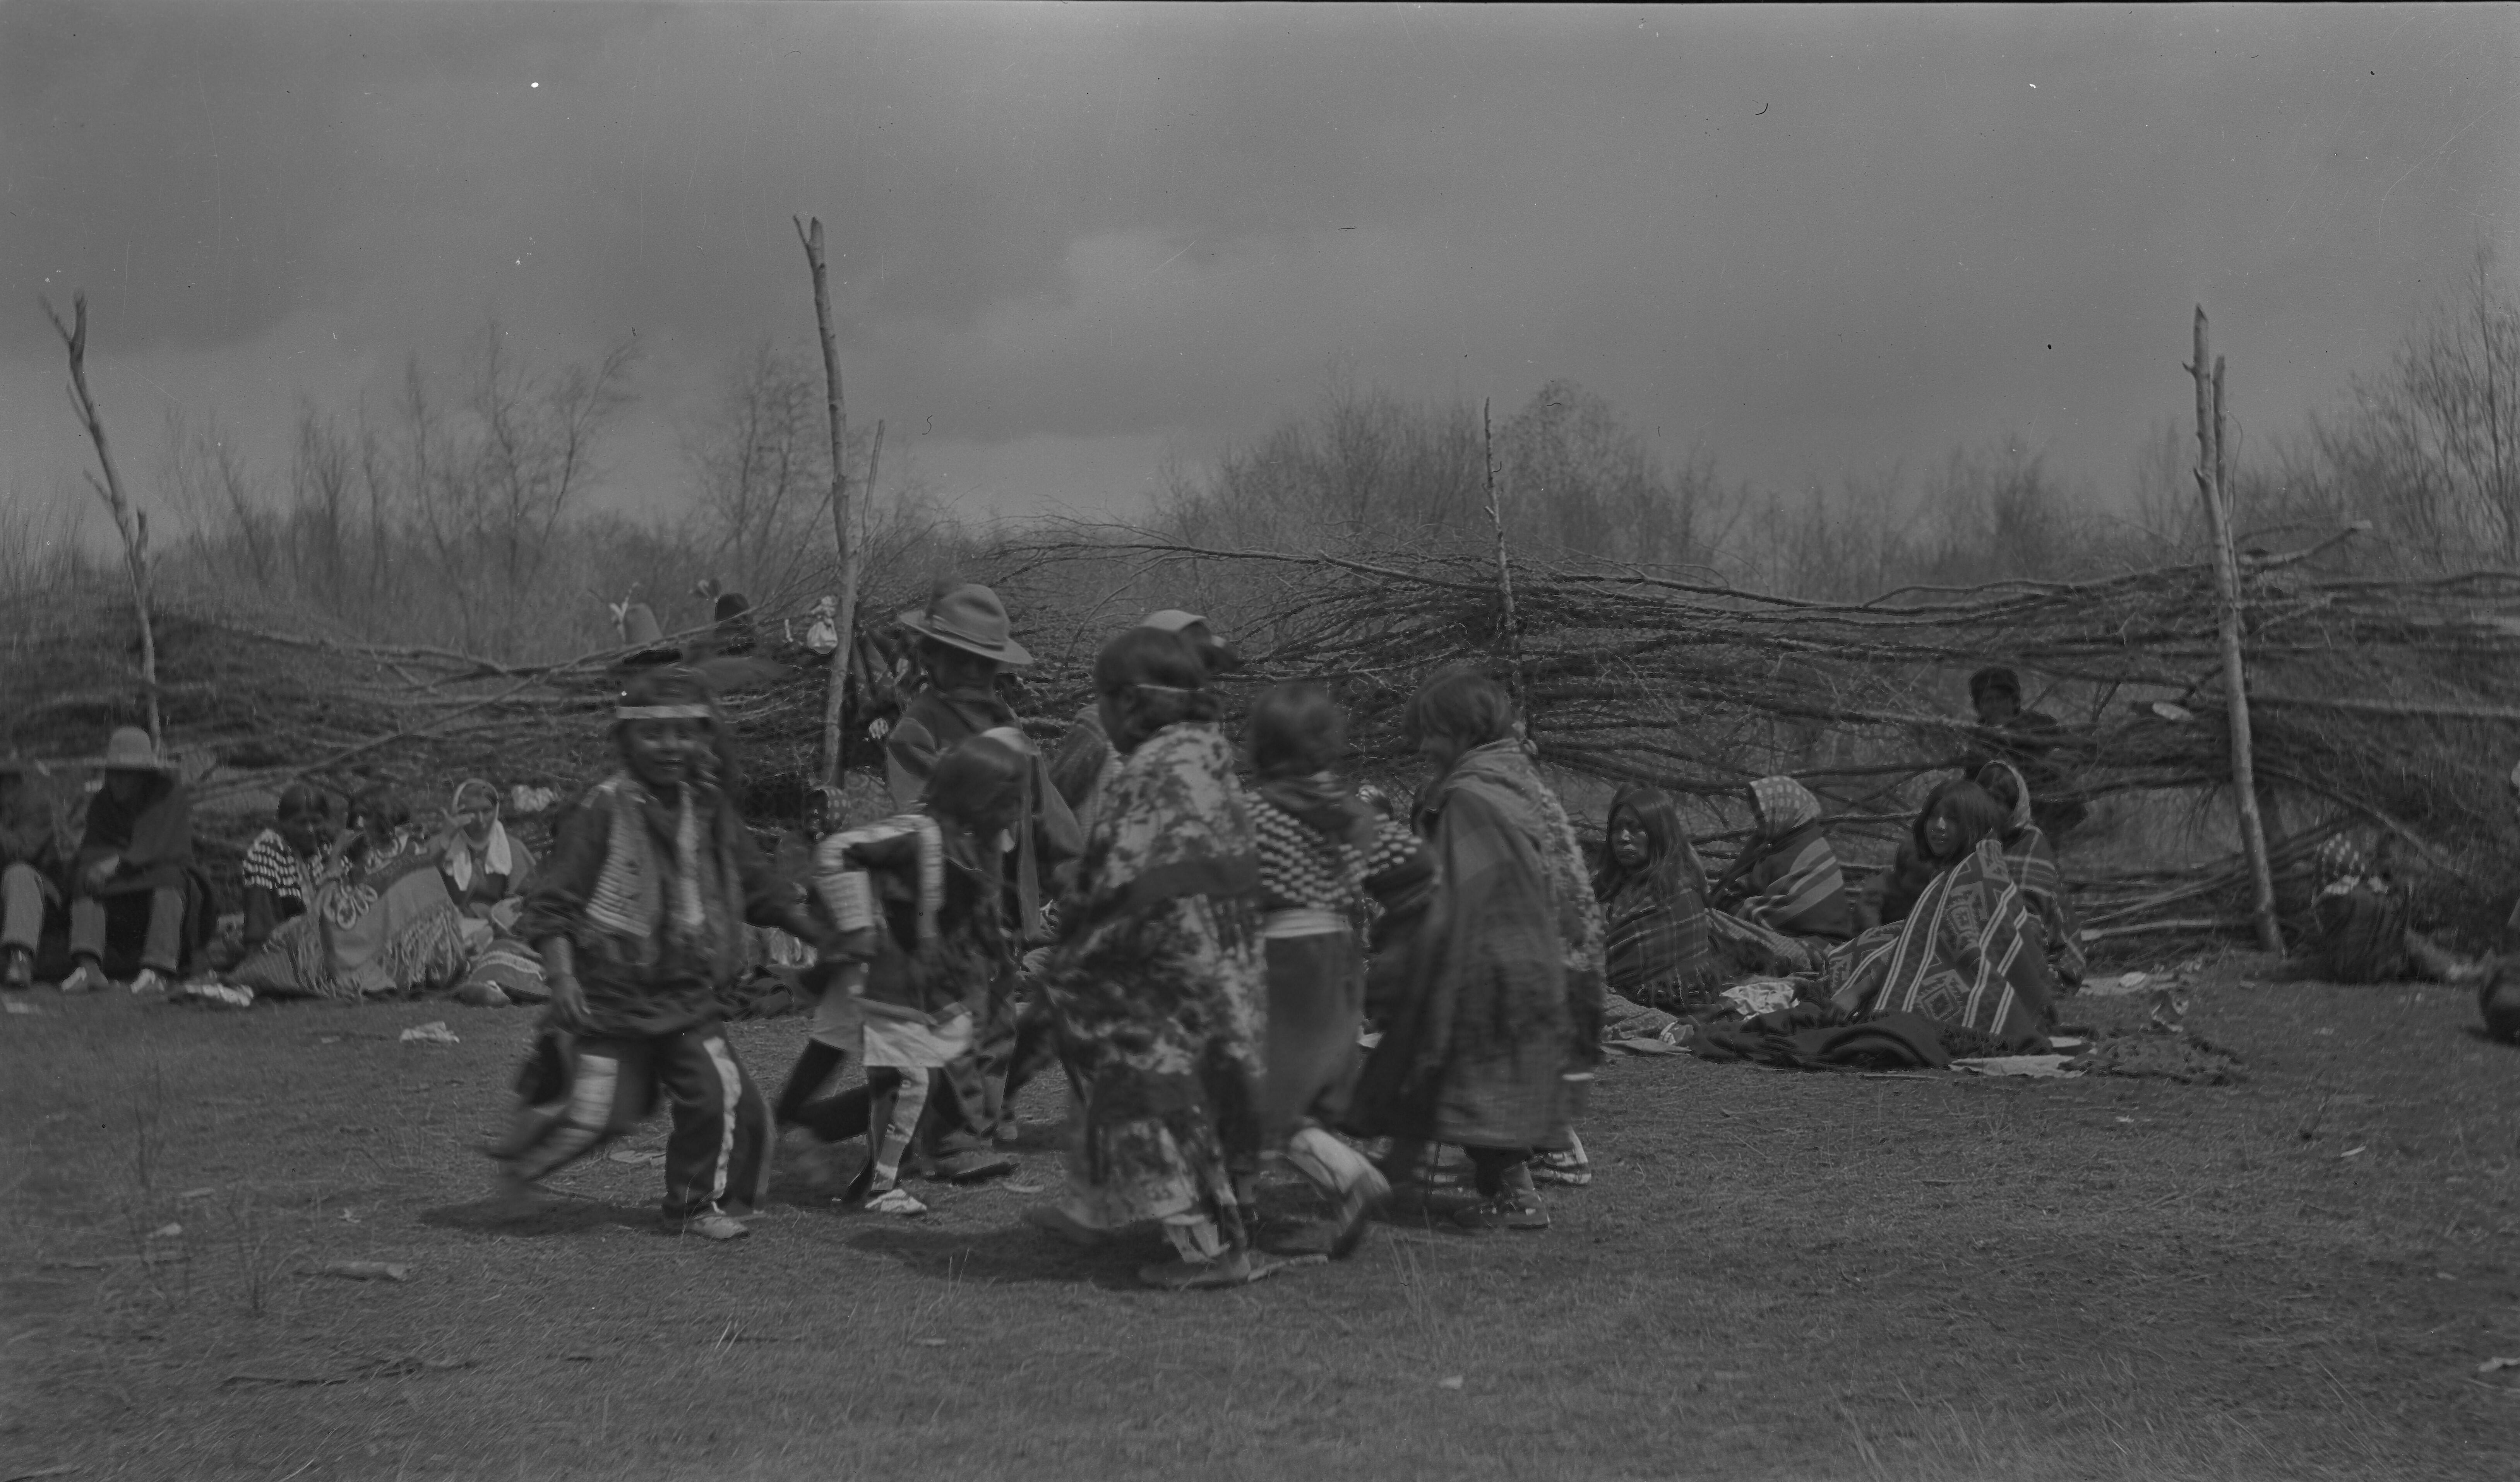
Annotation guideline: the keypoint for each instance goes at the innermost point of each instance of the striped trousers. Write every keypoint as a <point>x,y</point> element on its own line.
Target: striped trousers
<point>718,1157</point>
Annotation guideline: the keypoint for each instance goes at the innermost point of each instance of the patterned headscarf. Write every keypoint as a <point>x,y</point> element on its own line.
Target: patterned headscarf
<point>2019,789</point>
<point>1783,805</point>
<point>2341,867</point>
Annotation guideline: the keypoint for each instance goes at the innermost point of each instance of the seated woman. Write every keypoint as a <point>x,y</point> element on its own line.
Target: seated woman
<point>2361,926</point>
<point>1653,891</point>
<point>1914,866</point>
<point>2036,871</point>
<point>282,863</point>
<point>483,866</point>
<point>380,922</point>
<point>1971,952</point>
<point>1783,902</point>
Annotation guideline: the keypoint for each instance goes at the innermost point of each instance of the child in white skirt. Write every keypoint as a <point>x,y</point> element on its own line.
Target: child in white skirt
<point>917,899</point>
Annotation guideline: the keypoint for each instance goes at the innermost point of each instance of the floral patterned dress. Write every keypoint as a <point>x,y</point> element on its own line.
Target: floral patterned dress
<point>1159,988</point>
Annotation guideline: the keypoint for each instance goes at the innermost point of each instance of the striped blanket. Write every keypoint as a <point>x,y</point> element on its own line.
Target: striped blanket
<point>1972,955</point>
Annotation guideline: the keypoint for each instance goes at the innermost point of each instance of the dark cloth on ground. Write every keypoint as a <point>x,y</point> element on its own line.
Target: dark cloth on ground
<point>1815,1037</point>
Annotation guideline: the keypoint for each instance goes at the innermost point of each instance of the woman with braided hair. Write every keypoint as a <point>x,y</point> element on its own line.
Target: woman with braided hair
<point>637,917</point>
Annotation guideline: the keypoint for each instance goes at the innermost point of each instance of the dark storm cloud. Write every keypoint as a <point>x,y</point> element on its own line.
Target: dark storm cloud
<point>1817,241</point>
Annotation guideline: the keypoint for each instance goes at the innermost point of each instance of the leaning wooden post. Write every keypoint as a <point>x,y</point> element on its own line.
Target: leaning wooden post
<point>835,697</point>
<point>132,525</point>
<point>1505,570</point>
<point>2212,472</point>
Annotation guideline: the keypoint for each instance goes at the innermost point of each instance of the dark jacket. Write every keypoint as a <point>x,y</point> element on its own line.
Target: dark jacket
<point>153,835</point>
<point>677,987</point>
<point>936,723</point>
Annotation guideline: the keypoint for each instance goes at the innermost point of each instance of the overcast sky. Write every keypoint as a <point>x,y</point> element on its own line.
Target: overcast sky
<point>1071,241</point>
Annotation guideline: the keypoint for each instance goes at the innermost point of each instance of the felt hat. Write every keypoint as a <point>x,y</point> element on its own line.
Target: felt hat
<point>969,618</point>
<point>1172,621</point>
<point>640,632</point>
<point>128,750</point>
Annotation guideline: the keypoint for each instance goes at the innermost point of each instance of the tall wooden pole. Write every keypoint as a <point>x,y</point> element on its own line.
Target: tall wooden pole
<point>834,698</point>
<point>131,524</point>
<point>1504,569</point>
<point>2212,482</point>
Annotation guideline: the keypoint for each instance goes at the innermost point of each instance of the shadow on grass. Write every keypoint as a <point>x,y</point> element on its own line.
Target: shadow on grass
<point>494,1216</point>
<point>1012,1254</point>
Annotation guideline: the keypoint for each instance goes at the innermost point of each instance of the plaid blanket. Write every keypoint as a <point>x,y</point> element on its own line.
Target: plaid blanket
<point>1657,946</point>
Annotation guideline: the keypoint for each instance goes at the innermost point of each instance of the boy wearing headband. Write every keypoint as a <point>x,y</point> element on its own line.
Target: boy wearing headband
<point>639,917</point>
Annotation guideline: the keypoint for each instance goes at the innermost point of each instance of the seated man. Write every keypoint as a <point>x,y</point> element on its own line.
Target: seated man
<point>138,847</point>
<point>30,874</point>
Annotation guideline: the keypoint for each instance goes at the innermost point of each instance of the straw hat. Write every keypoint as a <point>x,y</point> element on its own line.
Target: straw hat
<point>969,618</point>
<point>129,750</point>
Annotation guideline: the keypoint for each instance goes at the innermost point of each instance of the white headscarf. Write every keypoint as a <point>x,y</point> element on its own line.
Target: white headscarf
<point>498,857</point>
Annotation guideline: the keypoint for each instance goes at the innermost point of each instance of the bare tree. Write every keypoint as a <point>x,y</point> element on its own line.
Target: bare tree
<point>2431,450</point>
<point>131,522</point>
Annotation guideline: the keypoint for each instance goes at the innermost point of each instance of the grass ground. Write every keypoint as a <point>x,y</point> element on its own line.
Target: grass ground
<point>1774,1275</point>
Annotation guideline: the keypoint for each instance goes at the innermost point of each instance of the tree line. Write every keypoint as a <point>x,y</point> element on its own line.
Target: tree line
<point>460,511</point>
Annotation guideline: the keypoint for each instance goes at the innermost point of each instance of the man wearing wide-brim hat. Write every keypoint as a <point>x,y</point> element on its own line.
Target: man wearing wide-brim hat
<point>138,846</point>
<point>965,641</point>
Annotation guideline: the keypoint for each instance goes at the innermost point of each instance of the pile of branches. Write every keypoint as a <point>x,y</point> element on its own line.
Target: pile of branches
<point>2386,705</point>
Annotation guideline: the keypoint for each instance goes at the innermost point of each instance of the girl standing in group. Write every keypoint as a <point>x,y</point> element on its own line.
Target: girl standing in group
<point>1323,854</point>
<point>1492,1030</point>
<point>1158,984</point>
